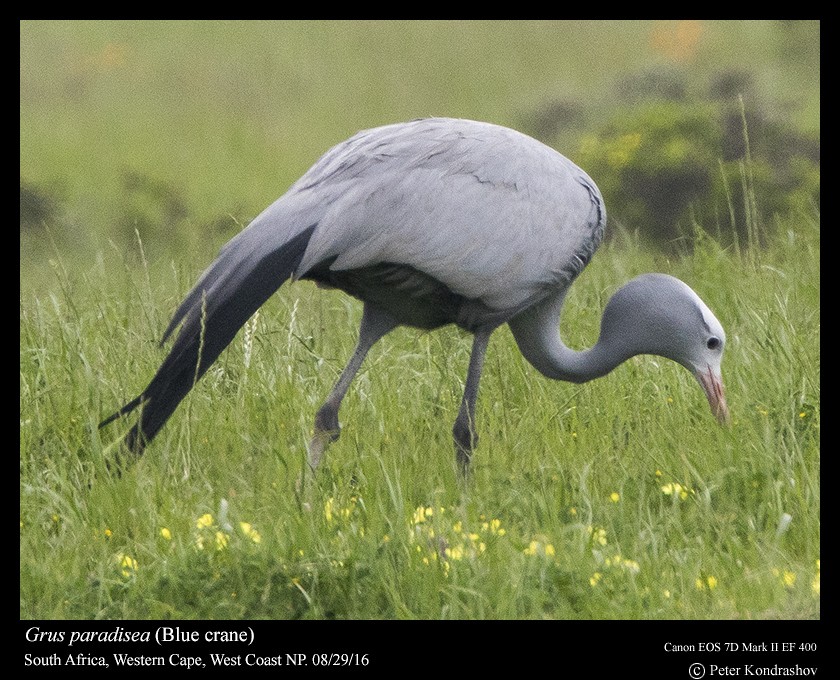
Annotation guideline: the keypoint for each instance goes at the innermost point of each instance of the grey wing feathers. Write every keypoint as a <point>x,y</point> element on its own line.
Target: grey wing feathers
<point>494,215</point>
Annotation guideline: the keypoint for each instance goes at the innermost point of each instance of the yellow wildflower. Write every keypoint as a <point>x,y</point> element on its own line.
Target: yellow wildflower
<point>598,536</point>
<point>250,532</point>
<point>127,565</point>
<point>615,497</point>
<point>221,540</point>
<point>204,521</point>
<point>788,578</point>
<point>420,515</point>
<point>455,553</point>
<point>535,547</point>
<point>166,533</point>
<point>496,527</point>
<point>631,565</point>
<point>593,580</point>
<point>676,489</point>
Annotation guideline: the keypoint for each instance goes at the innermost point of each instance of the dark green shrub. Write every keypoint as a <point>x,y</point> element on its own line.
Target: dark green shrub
<point>720,162</point>
<point>652,163</point>
<point>37,206</point>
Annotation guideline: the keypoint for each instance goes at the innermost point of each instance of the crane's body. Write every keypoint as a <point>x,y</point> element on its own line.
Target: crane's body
<point>433,222</point>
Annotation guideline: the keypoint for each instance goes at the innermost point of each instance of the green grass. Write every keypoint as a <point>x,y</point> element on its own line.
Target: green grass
<point>223,118</point>
<point>551,457</point>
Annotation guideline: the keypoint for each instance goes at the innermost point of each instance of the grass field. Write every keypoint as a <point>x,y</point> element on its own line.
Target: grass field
<point>617,499</point>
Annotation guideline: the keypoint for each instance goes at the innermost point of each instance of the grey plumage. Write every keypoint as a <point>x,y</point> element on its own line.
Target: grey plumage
<point>433,222</point>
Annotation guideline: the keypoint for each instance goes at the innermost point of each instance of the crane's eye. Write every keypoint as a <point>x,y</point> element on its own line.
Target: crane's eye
<point>713,343</point>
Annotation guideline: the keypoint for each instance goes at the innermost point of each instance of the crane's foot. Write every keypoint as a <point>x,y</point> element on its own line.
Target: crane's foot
<point>315,452</point>
<point>462,459</point>
<point>318,445</point>
<point>327,430</point>
<point>465,442</point>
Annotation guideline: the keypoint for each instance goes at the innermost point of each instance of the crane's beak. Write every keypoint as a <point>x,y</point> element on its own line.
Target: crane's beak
<point>712,385</point>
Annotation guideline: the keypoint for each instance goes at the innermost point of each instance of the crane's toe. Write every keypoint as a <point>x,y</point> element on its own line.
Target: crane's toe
<point>327,430</point>
<point>466,439</point>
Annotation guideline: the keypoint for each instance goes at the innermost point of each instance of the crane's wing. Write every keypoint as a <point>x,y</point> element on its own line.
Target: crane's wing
<point>491,213</point>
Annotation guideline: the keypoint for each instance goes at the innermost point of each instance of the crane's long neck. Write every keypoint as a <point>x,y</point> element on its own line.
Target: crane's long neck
<point>537,334</point>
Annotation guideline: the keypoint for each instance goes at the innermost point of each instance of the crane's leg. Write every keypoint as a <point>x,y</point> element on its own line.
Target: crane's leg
<point>464,431</point>
<point>375,324</point>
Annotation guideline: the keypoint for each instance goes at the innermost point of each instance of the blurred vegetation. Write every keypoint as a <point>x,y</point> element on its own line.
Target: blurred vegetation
<point>677,160</point>
<point>181,132</point>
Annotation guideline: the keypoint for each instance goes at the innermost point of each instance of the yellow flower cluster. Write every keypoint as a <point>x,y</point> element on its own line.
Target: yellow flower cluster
<point>597,536</point>
<point>623,563</point>
<point>126,564</point>
<point>788,578</point>
<point>677,490</point>
<point>785,576</point>
<point>539,548</point>
<point>494,526</point>
<point>204,522</point>
<point>209,535</point>
<point>710,583</point>
<point>332,512</point>
<point>250,532</point>
<point>446,542</point>
<point>421,514</point>
<point>614,565</point>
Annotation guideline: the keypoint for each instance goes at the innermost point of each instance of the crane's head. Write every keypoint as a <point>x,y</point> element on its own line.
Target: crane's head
<point>659,314</point>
